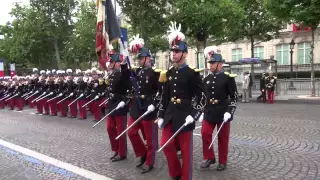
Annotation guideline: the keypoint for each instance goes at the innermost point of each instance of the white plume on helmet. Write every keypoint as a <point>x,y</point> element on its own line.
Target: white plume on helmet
<point>42,72</point>
<point>78,71</point>
<point>136,44</point>
<point>69,70</point>
<point>34,70</point>
<point>208,51</point>
<point>48,72</point>
<point>174,33</point>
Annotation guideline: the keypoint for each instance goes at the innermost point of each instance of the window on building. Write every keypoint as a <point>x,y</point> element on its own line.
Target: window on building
<point>236,54</point>
<point>282,55</point>
<point>201,61</point>
<point>259,52</point>
<point>304,50</point>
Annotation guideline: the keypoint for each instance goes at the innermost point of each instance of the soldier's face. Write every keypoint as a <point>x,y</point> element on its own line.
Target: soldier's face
<point>143,61</point>
<point>178,55</point>
<point>270,74</point>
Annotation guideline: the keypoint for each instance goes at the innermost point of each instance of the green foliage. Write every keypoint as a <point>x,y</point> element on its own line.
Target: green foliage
<point>148,19</point>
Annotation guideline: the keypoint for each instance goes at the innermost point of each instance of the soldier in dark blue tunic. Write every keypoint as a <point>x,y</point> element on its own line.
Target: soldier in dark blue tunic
<point>221,93</point>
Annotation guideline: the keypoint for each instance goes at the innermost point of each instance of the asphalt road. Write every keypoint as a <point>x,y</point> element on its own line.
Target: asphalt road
<point>279,141</point>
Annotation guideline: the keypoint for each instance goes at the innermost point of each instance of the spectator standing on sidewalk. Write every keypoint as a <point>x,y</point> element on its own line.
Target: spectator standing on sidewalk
<point>263,88</point>
<point>250,85</point>
<point>245,86</point>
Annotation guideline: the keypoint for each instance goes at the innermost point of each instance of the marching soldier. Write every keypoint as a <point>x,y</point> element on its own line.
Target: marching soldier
<point>80,93</point>
<point>41,89</point>
<point>70,93</point>
<point>176,114</point>
<point>143,101</point>
<point>117,105</point>
<point>83,87</point>
<point>270,83</point>
<point>263,88</point>
<point>96,90</point>
<point>61,94</point>
<point>34,86</point>
<point>221,92</point>
<point>52,88</point>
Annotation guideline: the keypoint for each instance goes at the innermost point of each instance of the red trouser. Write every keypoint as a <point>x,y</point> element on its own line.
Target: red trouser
<point>82,110</point>
<point>63,108</point>
<point>223,141</point>
<point>96,110</point>
<point>150,130</point>
<point>39,106</point>
<point>186,145</point>
<point>2,104</point>
<point>11,103</point>
<point>116,125</point>
<point>72,107</point>
<point>19,102</point>
<point>31,104</point>
<point>270,96</point>
<point>45,106</point>
<point>53,107</point>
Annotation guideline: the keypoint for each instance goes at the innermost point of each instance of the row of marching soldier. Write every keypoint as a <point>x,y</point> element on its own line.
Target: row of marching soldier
<point>171,100</point>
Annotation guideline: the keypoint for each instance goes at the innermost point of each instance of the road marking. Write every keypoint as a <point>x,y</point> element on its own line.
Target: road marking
<point>69,167</point>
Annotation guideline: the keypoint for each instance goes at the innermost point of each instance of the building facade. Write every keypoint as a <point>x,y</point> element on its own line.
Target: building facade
<point>278,49</point>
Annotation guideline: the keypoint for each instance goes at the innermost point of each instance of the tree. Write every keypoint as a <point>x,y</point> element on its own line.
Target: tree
<point>305,12</point>
<point>58,22</point>
<point>82,41</point>
<point>205,21</point>
<point>148,19</point>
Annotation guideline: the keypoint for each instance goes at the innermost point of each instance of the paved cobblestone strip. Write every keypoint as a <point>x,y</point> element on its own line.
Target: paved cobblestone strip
<point>41,157</point>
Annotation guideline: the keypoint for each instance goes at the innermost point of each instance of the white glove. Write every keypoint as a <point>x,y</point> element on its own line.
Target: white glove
<point>81,95</point>
<point>97,97</point>
<point>160,122</point>
<point>151,108</point>
<point>71,94</point>
<point>121,105</point>
<point>201,118</point>
<point>60,94</point>
<point>226,116</point>
<point>189,120</point>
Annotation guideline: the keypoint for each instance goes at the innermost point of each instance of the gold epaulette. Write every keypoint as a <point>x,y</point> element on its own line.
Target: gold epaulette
<point>197,70</point>
<point>163,77</point>
<point>233,75</point>
<point>101,81</point>
<point>275,77</point>
<point>230,75</point>
<point>157,70</point>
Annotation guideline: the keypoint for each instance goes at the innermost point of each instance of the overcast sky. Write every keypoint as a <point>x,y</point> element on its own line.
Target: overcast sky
<point>6,6</point>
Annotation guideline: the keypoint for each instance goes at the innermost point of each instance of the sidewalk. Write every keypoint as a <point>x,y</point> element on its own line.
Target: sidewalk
<point>291,99</point>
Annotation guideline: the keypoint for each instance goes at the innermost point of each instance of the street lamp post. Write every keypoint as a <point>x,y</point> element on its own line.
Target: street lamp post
<point>292,43</point>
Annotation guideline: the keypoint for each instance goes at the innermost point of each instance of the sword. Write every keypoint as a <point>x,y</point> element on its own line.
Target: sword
<point>215,136</point>
<point>31,95</point>
<point>54,98</point>
<point>104,118</point>
<point>90,101</point>
<point>26,94</point>
<point>5,97</point>
<point>75,100</point>
<point>44,96</point>
<point>135,122</point>
<point>173,136</point>
<point>39,97</point>
<point>104,102</point>
<point>65,98</point>
<point>11,97</point>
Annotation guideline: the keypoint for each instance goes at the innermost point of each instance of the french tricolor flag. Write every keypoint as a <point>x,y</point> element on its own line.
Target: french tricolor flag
<point>12,70</point>
<point>1,69</point>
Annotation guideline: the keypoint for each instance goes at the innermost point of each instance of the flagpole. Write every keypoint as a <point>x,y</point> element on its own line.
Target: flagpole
<point>115,7</point>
